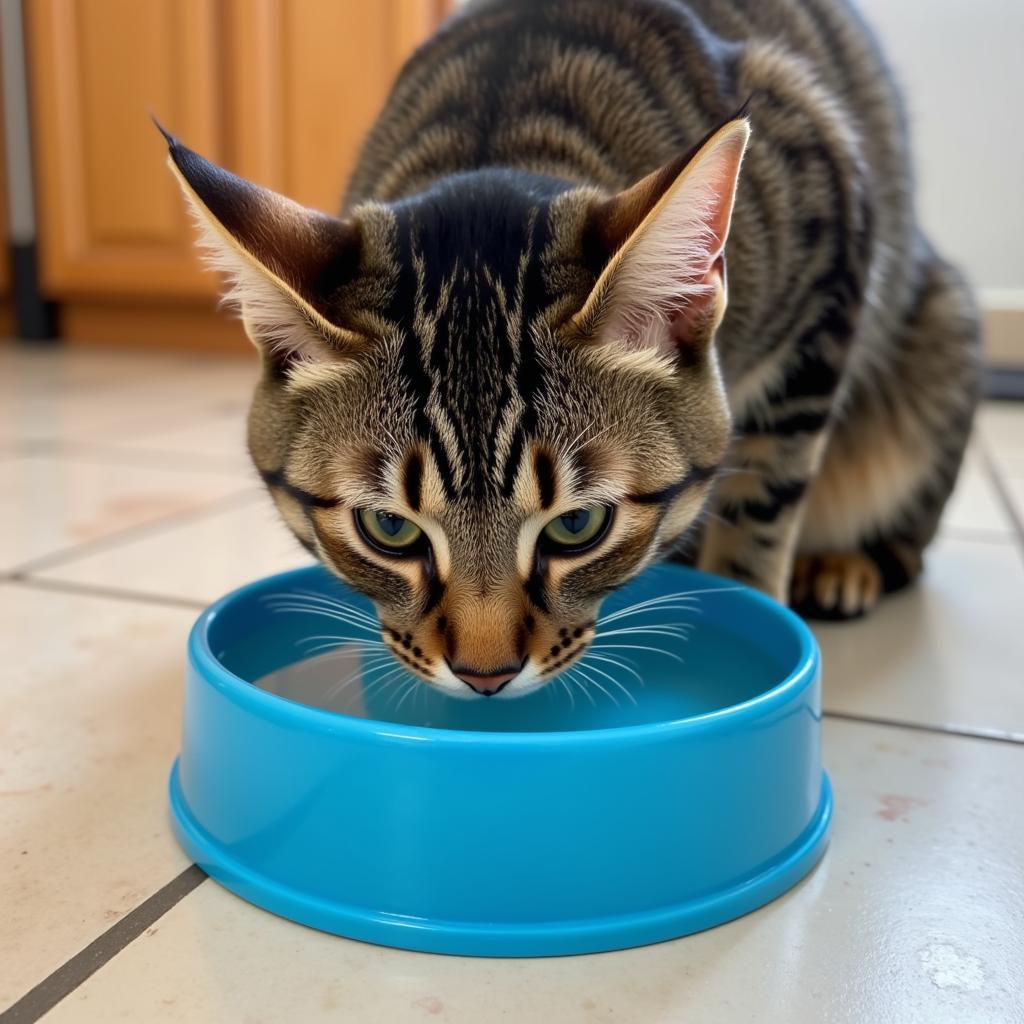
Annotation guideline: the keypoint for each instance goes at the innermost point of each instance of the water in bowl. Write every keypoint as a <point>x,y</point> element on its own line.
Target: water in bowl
<point>658,676</point>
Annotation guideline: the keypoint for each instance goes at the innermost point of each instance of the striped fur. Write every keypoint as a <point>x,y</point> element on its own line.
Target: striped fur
<point>522,310</point>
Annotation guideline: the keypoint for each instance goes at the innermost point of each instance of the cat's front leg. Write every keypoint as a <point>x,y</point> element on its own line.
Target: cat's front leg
<point>758,506</point>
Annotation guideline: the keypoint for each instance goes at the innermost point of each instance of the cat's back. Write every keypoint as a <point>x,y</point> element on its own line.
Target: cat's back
<point>603,91</point>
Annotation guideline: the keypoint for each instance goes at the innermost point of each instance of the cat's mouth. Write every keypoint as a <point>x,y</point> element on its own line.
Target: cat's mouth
<point>511,683</point>
<point>547,657</point>
<point>486,683</point>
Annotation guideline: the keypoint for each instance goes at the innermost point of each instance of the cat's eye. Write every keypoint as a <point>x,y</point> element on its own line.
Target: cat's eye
<point>577,530</point>
<point>393,534</point>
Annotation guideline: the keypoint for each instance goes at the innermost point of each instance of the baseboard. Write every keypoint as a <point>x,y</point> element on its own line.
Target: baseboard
<point>1004,385</point>
<point>185,325</point>
<point>179,325</point>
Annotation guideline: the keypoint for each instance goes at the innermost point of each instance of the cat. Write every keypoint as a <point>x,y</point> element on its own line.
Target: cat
<point>610,279</point>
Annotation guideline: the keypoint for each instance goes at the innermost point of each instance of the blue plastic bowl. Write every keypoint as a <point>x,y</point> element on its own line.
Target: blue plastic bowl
<point>562,822</point>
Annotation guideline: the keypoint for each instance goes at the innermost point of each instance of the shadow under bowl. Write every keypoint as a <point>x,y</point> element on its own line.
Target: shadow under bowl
<point>671,782</point>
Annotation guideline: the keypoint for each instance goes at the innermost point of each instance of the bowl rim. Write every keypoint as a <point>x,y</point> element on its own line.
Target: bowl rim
<point>284,711</point>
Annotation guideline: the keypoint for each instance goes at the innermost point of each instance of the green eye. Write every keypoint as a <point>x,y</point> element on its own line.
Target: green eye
<point>388,531</point>
<point>577,529</point>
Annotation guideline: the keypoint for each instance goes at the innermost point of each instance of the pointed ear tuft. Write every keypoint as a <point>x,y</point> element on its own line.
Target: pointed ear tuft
<point>284,263</point>
<point>664,284</point>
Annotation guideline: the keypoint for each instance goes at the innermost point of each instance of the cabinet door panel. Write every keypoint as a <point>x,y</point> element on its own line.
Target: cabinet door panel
<point>280,91</point>
<point>311,76</point>
<point>111,221</point>
<point>5,266</point>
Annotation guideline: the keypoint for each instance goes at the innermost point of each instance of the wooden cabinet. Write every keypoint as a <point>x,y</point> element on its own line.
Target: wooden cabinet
<point>310,77</point>
<point>280,91</point>
<point>6,324</point>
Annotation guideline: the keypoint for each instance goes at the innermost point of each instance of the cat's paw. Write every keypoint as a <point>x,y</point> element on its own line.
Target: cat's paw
<point>835,586</point>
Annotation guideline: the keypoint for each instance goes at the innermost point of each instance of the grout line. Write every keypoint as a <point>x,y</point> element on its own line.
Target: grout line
<point>112,540</point>
<point>1004,495</point>
<point>97,590</point>
<point>107,454</point>
<point>153,424</point>
<point>980,535</point>
<point>965,732</point>
<point>66,978</point>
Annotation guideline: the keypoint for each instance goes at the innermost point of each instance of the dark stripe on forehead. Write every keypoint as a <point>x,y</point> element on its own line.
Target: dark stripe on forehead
<point>697,475</point>
<point>414,481</point>
<point>545,479</point>
<point>470,270</point>
<point>515,453</point>
<point>276,478</point>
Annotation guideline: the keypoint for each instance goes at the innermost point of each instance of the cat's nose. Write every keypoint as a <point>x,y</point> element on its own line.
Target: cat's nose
<point>486,684</point>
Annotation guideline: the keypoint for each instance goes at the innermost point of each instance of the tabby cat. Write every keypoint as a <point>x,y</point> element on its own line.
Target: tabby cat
<point>505,379</point>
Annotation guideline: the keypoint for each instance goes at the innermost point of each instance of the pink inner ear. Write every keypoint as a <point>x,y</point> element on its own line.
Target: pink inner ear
<point>689,324</point>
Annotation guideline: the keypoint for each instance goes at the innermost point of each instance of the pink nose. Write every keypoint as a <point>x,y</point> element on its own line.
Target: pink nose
<point>486,685</point>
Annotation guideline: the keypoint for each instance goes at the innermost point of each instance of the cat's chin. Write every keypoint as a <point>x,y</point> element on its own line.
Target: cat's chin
<point>522,685</point>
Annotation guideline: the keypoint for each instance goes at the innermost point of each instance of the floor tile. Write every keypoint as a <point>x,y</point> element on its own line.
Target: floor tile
<point>215,439</point>
<point>1015,492</point>
<point>200,560</point>
<point>103,416</point>
<point>75,396</point>
<point>946,652</point>
<point>70,370</point>
<point>975,507</point>
<point>1001,428</point>
<point>913,916</point>
<point>90,691</point>
<point>51,503</point>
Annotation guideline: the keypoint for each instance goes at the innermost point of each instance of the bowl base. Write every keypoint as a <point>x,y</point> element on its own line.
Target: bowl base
<point>513,939</point>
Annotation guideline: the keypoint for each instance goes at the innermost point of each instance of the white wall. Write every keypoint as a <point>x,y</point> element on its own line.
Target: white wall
<point>961,63</point>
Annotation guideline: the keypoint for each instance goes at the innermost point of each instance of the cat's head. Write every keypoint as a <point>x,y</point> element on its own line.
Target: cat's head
<point>488,405</point>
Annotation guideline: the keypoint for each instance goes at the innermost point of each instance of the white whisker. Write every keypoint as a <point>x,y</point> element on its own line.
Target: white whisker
<point>414,687</point>
<point>327,614</point>
<point>358,640</point>
<point>619,663</point>
<point>319,595</point>
<point>403,689</point>
<point>590,679</point>
<point>316,604</point>
<point>365,669</point>
<point>682,595</point>
<point>590,440</point>
<point>639,647</point>
<point>570,449</point>
<point>616,616</point>
<point>611,679</point>
<point>336,640</point>
<point>574,679</point>
<point>321,600</point>
<point>378,684</point>
<point>675,631</point>
<point>360,676</point>
<point>683,601</point>
<point>565,686</point>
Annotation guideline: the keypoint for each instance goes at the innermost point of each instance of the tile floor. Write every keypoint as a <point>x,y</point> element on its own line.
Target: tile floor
<point>125,505</point>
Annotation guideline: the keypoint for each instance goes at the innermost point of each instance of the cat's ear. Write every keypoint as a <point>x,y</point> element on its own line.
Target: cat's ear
<point>664,285</point>
<point>282,261</point>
